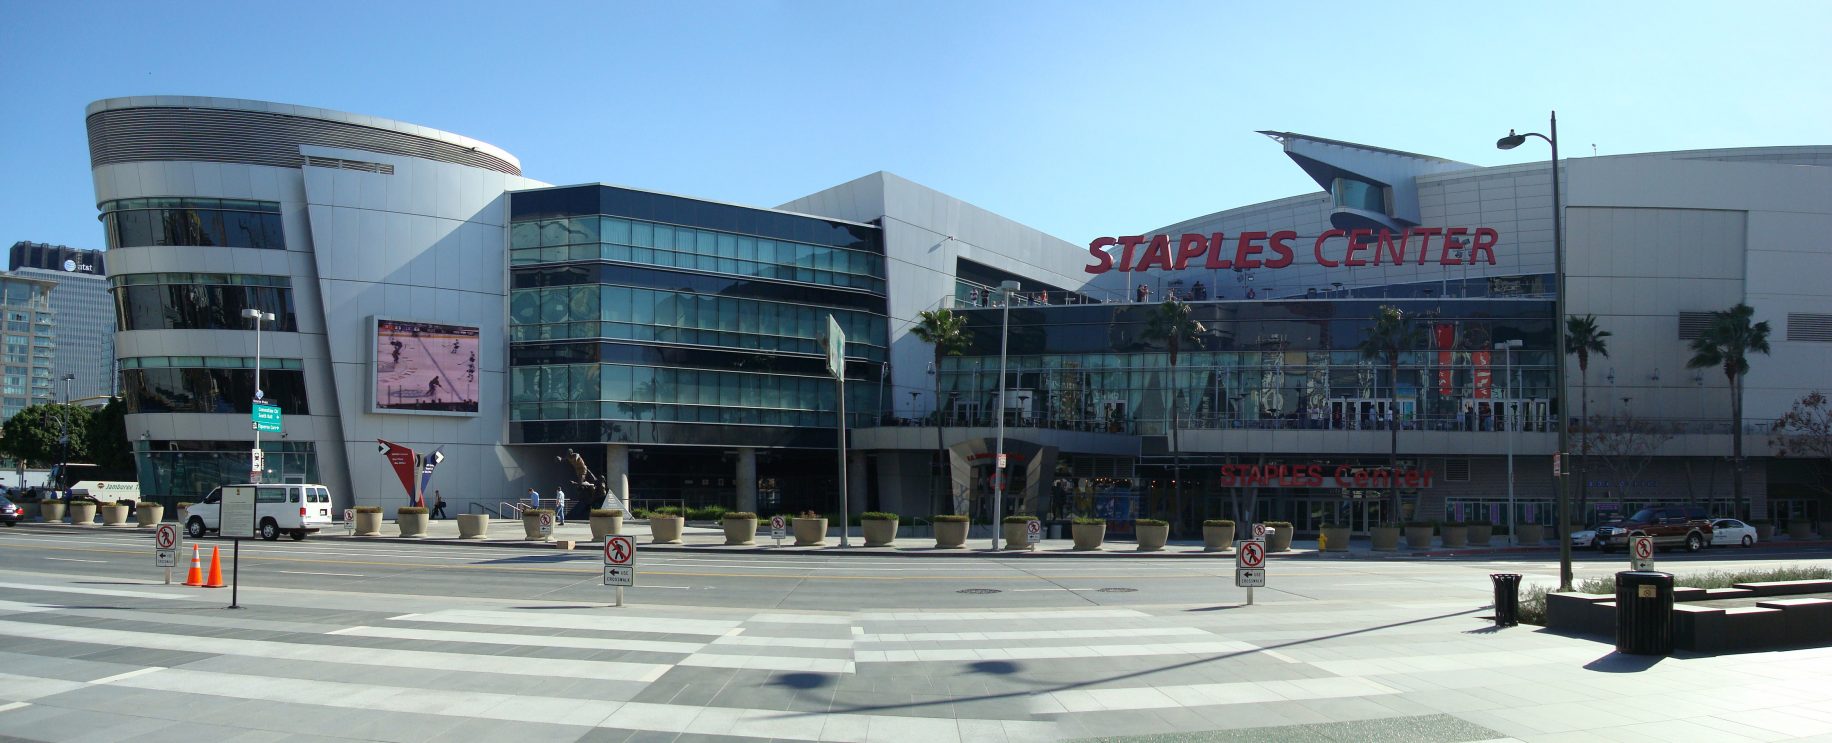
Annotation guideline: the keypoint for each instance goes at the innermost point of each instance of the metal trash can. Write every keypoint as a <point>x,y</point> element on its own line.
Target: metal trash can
<point>1644,613</point>
<point>1507,599</point>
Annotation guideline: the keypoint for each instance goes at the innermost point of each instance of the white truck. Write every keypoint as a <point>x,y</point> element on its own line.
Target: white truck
<point>293,510</point>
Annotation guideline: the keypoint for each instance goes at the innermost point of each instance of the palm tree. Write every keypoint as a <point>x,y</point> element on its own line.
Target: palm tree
<point>1172,323</point>
<point>1583,338</point>
<point>1391,335</point>
<point>947,333</point>
<point>1727,343</point>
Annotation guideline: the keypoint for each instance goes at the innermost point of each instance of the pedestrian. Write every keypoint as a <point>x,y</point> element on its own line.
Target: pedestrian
<point>559,506</point>
<point>438,505</point>
<point>534,498</point>
<point>1144,292</point>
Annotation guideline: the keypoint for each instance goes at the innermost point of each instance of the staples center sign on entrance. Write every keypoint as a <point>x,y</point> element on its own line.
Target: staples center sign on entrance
<point>1249,250</point>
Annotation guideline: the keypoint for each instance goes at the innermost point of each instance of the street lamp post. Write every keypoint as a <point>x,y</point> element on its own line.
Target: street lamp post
<point>1006,290</point>
<point>1507,349</point>
<point>257,316</point>
<point>1563,484</point>
<point>63,438</point>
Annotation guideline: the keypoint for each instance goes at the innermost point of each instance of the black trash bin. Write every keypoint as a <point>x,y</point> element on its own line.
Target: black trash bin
<point>1644,612</point>
<point>1507,599</point>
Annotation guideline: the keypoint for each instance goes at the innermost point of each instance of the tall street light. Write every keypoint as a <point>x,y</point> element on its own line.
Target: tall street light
<point>255,461</point>
<point>1563,482</point>
<point>1006,290</point>
<point>63,438</point>
<point>1510,419</point>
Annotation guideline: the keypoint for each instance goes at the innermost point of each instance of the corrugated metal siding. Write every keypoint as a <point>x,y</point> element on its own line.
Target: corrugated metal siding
<point>254,138</point>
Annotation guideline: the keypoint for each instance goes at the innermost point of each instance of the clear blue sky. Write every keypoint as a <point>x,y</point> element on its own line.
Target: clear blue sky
<point>1079,118</point>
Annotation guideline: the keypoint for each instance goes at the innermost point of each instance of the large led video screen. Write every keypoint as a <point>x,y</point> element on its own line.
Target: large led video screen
<point>425,367</point>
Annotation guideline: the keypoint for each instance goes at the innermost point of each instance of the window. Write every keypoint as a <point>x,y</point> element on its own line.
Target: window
<point>269,494</point>
<point>201,301</point>
<point>230,223</point>
<point>210,390</point>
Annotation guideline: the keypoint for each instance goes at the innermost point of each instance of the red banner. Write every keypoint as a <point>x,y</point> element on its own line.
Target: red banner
<point>402,458</point>
<point>1484,374</point>
<point>1443,336</point>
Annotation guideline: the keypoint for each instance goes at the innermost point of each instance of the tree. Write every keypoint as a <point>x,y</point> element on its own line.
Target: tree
<point>1726,343</point>
<point>947,333</point>
<point>1805,431</point>
<point>1172,323</point>
<point>1391,335</point>
<point>1583,338</point>
<point>1626,444</point>
<point>107,439</point>
<point>32,434</point>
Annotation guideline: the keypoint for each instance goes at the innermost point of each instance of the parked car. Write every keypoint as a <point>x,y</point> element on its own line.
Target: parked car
<point>1589,538</point>
<point>293,510</point>
<point>1726,532</point>
<point>1670,526</point>
<point>10,512</point>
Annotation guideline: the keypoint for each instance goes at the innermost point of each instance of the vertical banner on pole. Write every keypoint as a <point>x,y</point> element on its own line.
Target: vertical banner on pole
<point>836,365</point>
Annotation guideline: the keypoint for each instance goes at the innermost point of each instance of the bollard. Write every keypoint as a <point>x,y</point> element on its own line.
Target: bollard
<point>1507,599</point>
<point>1644,613</point>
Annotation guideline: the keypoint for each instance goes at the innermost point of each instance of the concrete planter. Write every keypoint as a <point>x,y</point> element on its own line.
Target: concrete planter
<point>1455,536</point>
<point>113,515</point>
<point>1333,539</point>
<point>603,526</point>
<point>1481,534</point>
<point>52,511</point>
<point>149,515</point>
<point>1278,539</point>
<point>880,533</point>
<point>1798,529</point>
<point>1152,536</point>
<point>368,524</point>
<point>1764,532</point>
<point>1217,538</point>
<point>1385,538</point>
<point>82,512</point>
<point>740,532</point>
<point>473,525</point>
<point>1418,537</point>
<point>1088,536</point>
<point>411,524</point>
<point>666,529</point>
<point>1014,536</point>
<point>531,527</point>
<point>184,514</point>
<point>810,532</point>
<point>1532,534</point>
<point>951,534</point>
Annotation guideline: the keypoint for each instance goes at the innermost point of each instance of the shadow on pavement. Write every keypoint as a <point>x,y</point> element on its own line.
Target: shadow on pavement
<point>1623,663</point>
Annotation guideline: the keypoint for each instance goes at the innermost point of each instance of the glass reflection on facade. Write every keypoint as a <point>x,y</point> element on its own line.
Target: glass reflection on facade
<point>228,223</point>
<point>171,471</point>
<point>210,384</point>
<point>201,301</point>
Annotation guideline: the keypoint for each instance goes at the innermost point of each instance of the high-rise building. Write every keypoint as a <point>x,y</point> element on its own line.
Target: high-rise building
<point>85,313</point>
<point>28,341</point>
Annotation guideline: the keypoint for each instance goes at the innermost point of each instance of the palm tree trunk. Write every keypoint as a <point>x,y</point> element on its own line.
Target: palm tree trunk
<point>941,449</point>
<point>1736,445</point>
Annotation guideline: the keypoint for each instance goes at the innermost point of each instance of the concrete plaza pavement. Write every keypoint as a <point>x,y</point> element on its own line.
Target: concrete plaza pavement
<point>399,641</point>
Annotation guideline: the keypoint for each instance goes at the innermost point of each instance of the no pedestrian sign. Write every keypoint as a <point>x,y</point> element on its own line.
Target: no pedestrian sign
<point>1641,553</point>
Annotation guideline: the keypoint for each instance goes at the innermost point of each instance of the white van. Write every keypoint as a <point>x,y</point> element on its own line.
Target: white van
<point>294,510</point>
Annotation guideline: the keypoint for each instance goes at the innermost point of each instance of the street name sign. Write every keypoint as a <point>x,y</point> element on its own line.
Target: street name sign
<point>266,418</point>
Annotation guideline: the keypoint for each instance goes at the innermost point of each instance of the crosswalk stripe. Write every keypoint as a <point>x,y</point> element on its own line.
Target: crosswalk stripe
<point>13,706</point>
<point>1044,653</point>
<point>92,591</point>
<point>490,638</point>
<point>977,616</point>
<point>600,622</point>
<point>1060,634</point>
<point>1195,695</point>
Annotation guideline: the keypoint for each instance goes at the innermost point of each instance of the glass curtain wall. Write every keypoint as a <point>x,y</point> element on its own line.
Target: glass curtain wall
<point>172,471</point>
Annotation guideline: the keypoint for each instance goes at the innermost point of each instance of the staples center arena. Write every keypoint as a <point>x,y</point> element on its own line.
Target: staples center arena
<point>426,293</point>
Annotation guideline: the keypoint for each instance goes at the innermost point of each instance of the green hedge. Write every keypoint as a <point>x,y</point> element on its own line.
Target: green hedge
<point>410,510</point>
<point>1217,522</point>
<point>603,512</point>
<point>878,516</point>
<point>368,509</point>
<point>737,515</point>
<point>1019,518</point>
<point>1151,522</point>
<point>951,518</point>
<point>1087,520</point>
<point>665,511</point>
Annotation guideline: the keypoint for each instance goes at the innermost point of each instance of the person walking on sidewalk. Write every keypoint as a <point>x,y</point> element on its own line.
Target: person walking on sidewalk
<point>438,505</point>
<point>559,505</point>
<point>534,498</point>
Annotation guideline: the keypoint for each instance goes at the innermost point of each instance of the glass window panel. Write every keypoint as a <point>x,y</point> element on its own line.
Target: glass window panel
<point>664,237</point>
<point>615,230</point>
<point>554,304</point>
<point>707,243</point>
<point>642,305</point>
<point>616,303</point>
<point>584,230</point>
<point>525,235</point>
<point>642,234</point>
<point>616,382</point>
<point>585,382</point>
<point>553,232</point>
<point>747,248</point>
<point>584,303</point>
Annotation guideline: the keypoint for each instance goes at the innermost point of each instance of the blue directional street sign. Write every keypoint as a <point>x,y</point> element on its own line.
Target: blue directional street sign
<point>266,418</point>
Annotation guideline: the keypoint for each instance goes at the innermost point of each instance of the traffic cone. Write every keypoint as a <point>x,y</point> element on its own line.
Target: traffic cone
<point>196,578</point>
<point>216,569</point>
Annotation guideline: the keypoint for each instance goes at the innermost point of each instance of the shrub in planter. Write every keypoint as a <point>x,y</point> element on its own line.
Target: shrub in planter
<point>411,520</point>
<point>605,522</point>
<point>665,525</point>
<point>531,524</point>
<point>1454,533</point>
<point>1418,535</point>
<point>82,511</point>
<point>113,514</point>
<point>1480,532</point>
<point>1278,536</point>
<point>1153,533</point>
<point>740,527</point>
<point>1088,532</point>
<point>1217,535</point>
<point>1385,537</point>
<point>473,525</point>
<point>368,521</point>
<point>149,514</point>
<point>951,531</point>
<point>810,529</point>
<point>1765,529</point>
<point>1014,532</point>
<point>52,511</point>
<point>880,528</point>
<point>1333,537</point>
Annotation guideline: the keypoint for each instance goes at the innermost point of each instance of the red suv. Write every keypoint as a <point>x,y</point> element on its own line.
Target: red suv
<point>1670,526</point>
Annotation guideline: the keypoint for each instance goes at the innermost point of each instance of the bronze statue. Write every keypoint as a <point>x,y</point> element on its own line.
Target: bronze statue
<point>587,482</point>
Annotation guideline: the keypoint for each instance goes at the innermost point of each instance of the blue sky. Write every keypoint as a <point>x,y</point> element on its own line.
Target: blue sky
<point>1079,118</point>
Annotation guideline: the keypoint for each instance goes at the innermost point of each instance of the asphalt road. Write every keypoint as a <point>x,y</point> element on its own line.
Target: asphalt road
<point>805,582</point>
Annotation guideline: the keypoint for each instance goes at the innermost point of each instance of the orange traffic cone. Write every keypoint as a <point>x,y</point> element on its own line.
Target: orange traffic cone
<point>216,569</point>
<point>196,578</point>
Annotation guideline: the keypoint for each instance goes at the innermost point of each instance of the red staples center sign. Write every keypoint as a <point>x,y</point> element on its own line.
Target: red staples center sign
<point>1249,250</point>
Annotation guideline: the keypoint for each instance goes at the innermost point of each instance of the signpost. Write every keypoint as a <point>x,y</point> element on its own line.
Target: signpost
<point>1250,566</point>
<point>1033,532</point>
<point>778,525</point>
<point>619,563</point>
<point>546,524</point>
<point>350,520</point>
<point>266,417</point>
<point>836,365</point>
<point>1259,532</point>
<point>237,523</point>
<point>165,549</point>
<point>1641,553</point>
